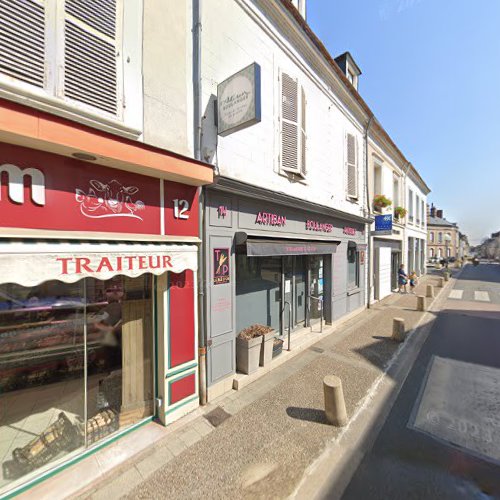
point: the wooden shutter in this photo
(22, 40)
(303, 165)
(91, 53)
(352, 166)
(289, 124)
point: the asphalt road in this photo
(442, 436)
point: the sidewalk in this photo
(258, 442)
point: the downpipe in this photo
(367, 191)
(197, 114)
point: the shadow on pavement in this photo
(307, 414)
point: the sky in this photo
(431, 74)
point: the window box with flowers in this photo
(380, 202)
(400, 213)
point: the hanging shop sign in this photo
(40, 190)
(238, 101)
(221, 266)
(383, 224)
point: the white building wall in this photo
(239, 37)
(384, 271)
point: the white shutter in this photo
(91, 53)
(352, 166)
(22, 40)
(303, 165)
(289, 124)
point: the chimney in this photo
(439, 214)
(433, 210)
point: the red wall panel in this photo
(182, 388)
(181, 331)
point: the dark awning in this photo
(257, 247)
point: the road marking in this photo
(482, 296)
(456, 294)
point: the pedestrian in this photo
(413, 281)
(402, 279)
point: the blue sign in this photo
(383, 222)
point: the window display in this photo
(61, 345)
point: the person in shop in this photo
(402, 279)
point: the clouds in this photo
(391, 8)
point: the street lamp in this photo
(447, 239)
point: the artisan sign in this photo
(238, 100)
(270, 219)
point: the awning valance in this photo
(256, 247)
(32, 263)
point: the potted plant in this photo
(380, 201)
(400, 212)
(254, 346)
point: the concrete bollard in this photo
(335, 410)
(420, 303)
(398, 329)
(440, 282)
(446, 276)
(430, 291)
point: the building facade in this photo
(288, 208)
(443, 241)
(99, 229)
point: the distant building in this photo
(443, 236)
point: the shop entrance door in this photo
(294, 292)
(395, 261)
(315, 302)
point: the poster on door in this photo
(221, 266)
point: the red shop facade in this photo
(98, 273)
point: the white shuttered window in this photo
(293, 126)
(70, 49)
(351, 155)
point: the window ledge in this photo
(53, 105)
(354, 291)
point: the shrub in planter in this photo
(380, 201)
(253, 346)
(400, 212)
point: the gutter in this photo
(367, 191)
(197, 116)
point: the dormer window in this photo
(349, 67)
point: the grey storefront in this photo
(277, 261)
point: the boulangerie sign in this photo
(40, 190)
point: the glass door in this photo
(300, 277)
(315, 288)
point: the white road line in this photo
(482, 296)
(456, 294)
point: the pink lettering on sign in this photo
(82, 265)
(323, 227)
(222, 211)
(270, 219)
(350, 231)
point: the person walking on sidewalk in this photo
(402, 279)
(413, 281)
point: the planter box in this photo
(277, 347)
(266, 351)
(248, 354)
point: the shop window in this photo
(64, 344)
(352, 266)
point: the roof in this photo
(438, 221)
(290, 7)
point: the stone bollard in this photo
(335, 410)
(440, 282)
(398, 329)
(430, 291)
(446, 276)
(420, 303)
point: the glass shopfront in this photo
(279, 291)
(76, 365)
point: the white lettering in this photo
(15, 183)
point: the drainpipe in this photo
(405, 175)
(367, 191)
(197, 115)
